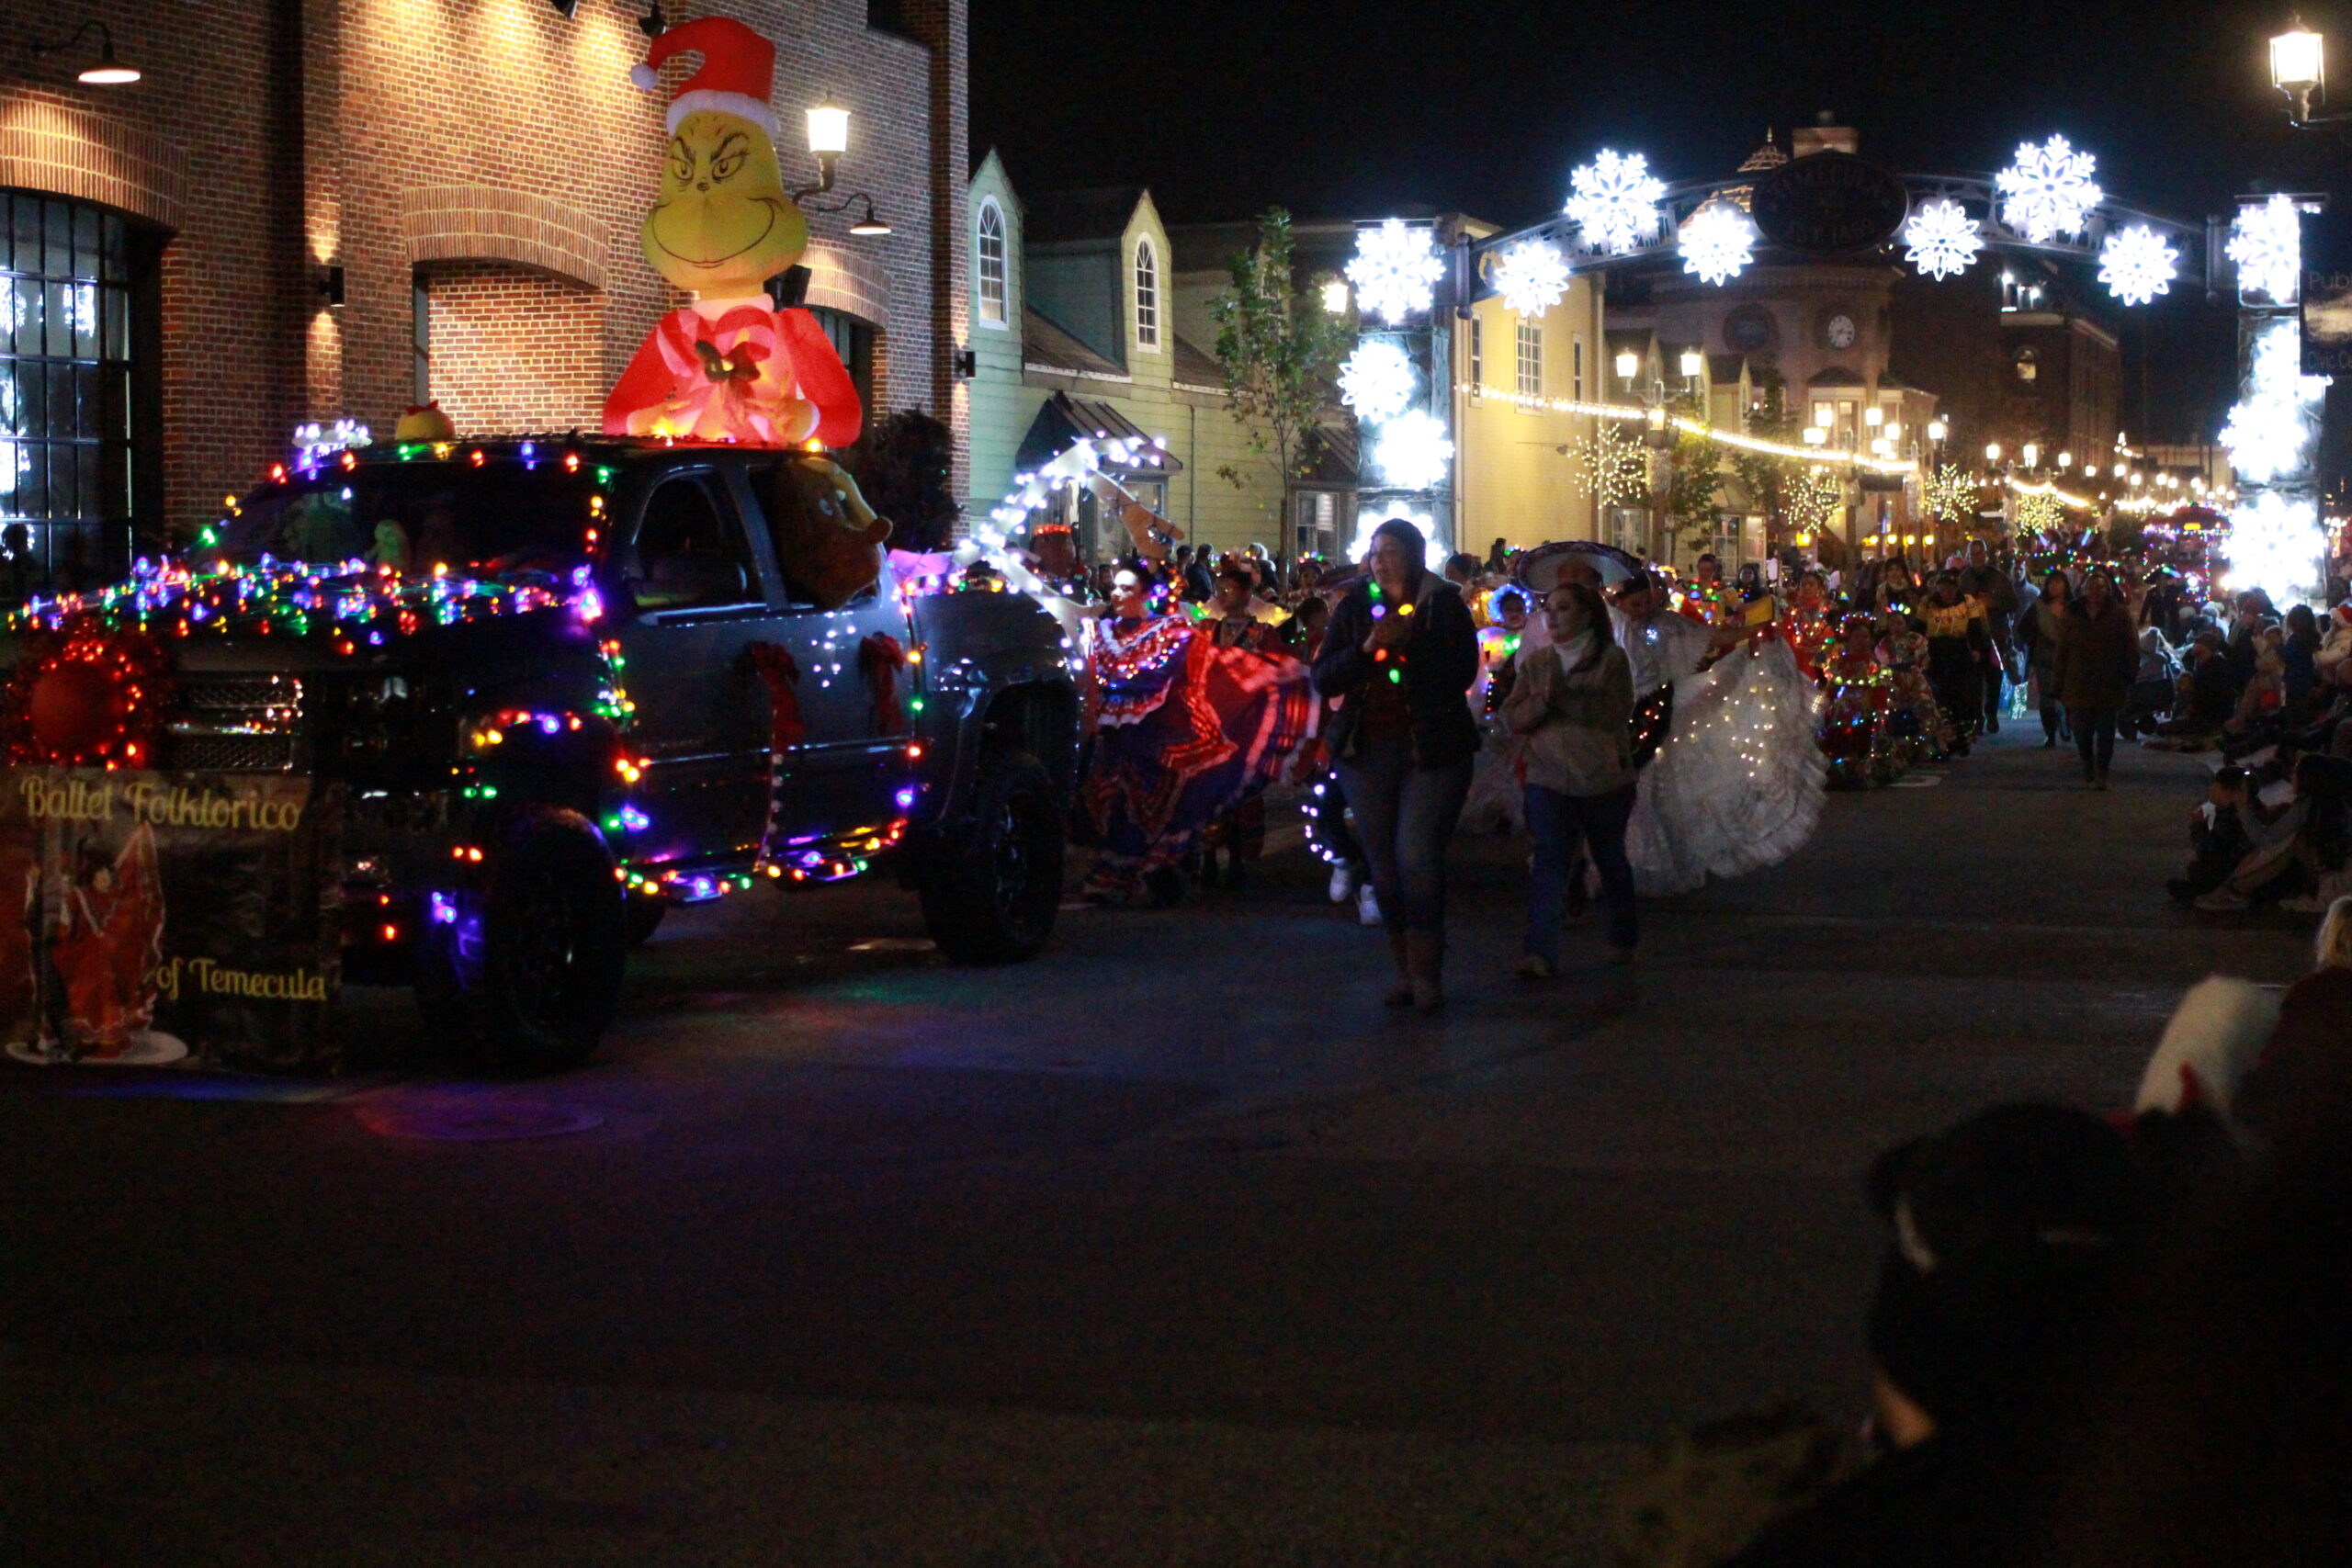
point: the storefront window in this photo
(853, 340)
(70, 425)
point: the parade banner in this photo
(164, 916)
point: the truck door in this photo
(848, 775)
(696, 602)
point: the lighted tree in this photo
(1280, 350)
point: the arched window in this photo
(1146, 296)
(989, 249)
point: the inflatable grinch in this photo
(728, 367)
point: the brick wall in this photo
(496, 141)
(505, 346)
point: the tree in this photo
(1694, 482)
(1280, 350)
(1765, 477)
(904, 466)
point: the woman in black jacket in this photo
(1399, 658)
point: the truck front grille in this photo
(241, 724)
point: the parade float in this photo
(468, 712)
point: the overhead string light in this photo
(1718, 242)
(1614, 201)
(2047, 190)
(1943, 237)
(1531, 277)
(1394, 270)
(2136, 264)
(1377, 381)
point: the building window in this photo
(1146, 296)
(853, 340)
(1531, 360)
(2028, 366)
(78, 307)
(1575, 369)
(989, 249)
(1477, 356)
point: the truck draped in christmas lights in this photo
(556, 684)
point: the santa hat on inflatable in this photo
(737, 76)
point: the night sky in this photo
(1223, 107)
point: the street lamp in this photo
(1937, 429)
(827, 138)
(2030, 453)
(2299, 69)
(2065, 459)
(1629, 364)
(1992, 451)
(1814, 435)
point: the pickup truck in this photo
(564, 682)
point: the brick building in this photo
(319, 209)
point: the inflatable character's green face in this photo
(724, 225)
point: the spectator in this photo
(2298, 652)
(2304, 849)
(1571, 704)
(2308, 1060)
(2336, 646)
(1402, 653)
(2217, 837)
(1498, 559)
(2014, 1235)
(1462, 570)
(2098, 654)
(2037, 634)
(1993, 587)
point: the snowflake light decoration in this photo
(1951, 494)
(2049, 190)
(1718, 242)
(2277, 545)
(1531, 277)
(1371, 517)
(2267, 245)
(1943, 237)
(2136, 264)
(1613, 199)
(1393, 269)
(1377, 381)
(1610, 467)
(1812, 500)
(2037, 513)
(2269, 430)
(1413, 451)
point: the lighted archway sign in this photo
(1829, 203)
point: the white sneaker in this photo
(1367, 906)
(1343, 881)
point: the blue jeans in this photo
(1558, 821)
(1405, 816)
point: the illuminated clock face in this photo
(1839, 331)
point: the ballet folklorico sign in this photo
(160, 916)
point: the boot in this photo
(1400, 995)
(1425, 953)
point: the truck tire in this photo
(645, 912)
(529, 975)
(990, 896)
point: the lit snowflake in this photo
(1943, 237)
(2267, 244)
(2136, 264)
(1614, 201)
(2270, 429)
(2277, 545)
(1531, 277)
(1718, 242)
(1377, 381)
(1413, 451)
(1371, 517)
(1393, 269)
(2049, 190)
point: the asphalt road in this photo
(1169, 1248)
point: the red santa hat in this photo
(738, 71)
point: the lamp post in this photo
(828, 140)
(2299, 69)
(106, 71)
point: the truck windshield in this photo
(495, 520)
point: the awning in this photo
(1064, 420)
